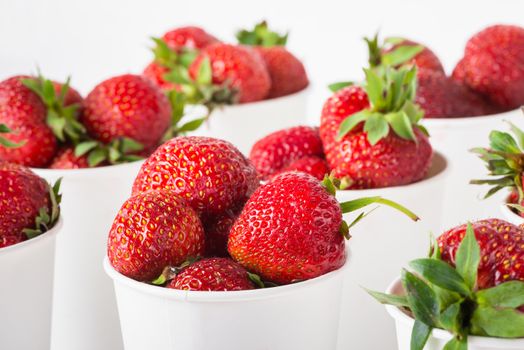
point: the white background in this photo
(93, 40)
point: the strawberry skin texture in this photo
(22, 195)
(314, 166)
(287, 73)
(212, 274)
(153, 230)
(66, 159)
(279, 149)
(190, 37)
(127, 106)
(493, 65)
(211, 174)
(240, 67)
(217, 229)
(502, 250)
(288, 230)
(24, 112)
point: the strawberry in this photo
(153, 230)
(443, 97)
(279, 149)
(315, 166)
(28, 206)
(239, 68)
(291, 229)
(217, 229)
(212, 175)
(287, 73)
(188, 37)
(66, 159)
(213, 274)
(155, 72)
(380, 144)
(493, 65)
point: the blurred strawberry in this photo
(315, 166)
(66, 159)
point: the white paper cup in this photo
(244, 124)
(381, 245)
(85, 315)
(455, 137)
(301, 316)
(26, 271)
(439, 337)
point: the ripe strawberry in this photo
(368, 145)
(213, 274)
(493, 65)
(22, 197)
(211, 174)
(153, 230)
(239, 68)
(425, 59)
(23, 111)
(279, 149)
(442, 97)
(188, 37)
(501, 250)
(314, 166)
(155, 72)
(66, 159)
(217, 229)
(127, 106)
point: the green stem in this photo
(359, 203)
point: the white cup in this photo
(386, 236)
(439, 337)
(85, 315)
(301, 316)
(26, 271)
(244, 124)
(455, 137)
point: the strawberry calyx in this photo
(46, 218)
(391, 93)
(178, 104)
(261, 35)
(118, 151)
(504, 160)
(171, 59)
(170, 272)
(439, 295)
(390, 52)
(63, 120)
(4, 129)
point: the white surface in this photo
(439, 337)
(381, 244)
(299, 316)
(26, 272)
(85, 315)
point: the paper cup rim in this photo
(442, 171)
(473, 340)
(34, 241)
(467, 121)
(87, 172)
(221, 296)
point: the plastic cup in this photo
(381, 245)
(455, 137)
(26, 271)
(244, 124)
(85, 315)
(302, 316)
(439, 337)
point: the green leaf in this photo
(376, 128)
(340, 85)
(422, 299)
(129, 145)
(389, 299)
(394, 40)
(187, 57)
(419, 335)
(374, 88)
(457, 343)
(467, 258)
(344, 227)
(451, 318)
(192, 125)
(503, 323)
(256, 279)
(351, 122)
(205, 74)
(441, 274)
(359, 203)
(328, 184)
(401, 54)
(508, 294)
(401, 124)
(96, 156)
(503, 142)
(85, 147)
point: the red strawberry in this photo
(211, 174)
(153, 230)
(22, 195)
(442, 97)
(23, 111)
(155, 72)
(66, 159)
(289, 230)
(493, 65)
(127, 106)
(315, 166)
(188, 37)
(240, 68)
(502, 253)
(71, 95)
(217, 229)
(213, 274)
(426, 59)
(279, 149)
